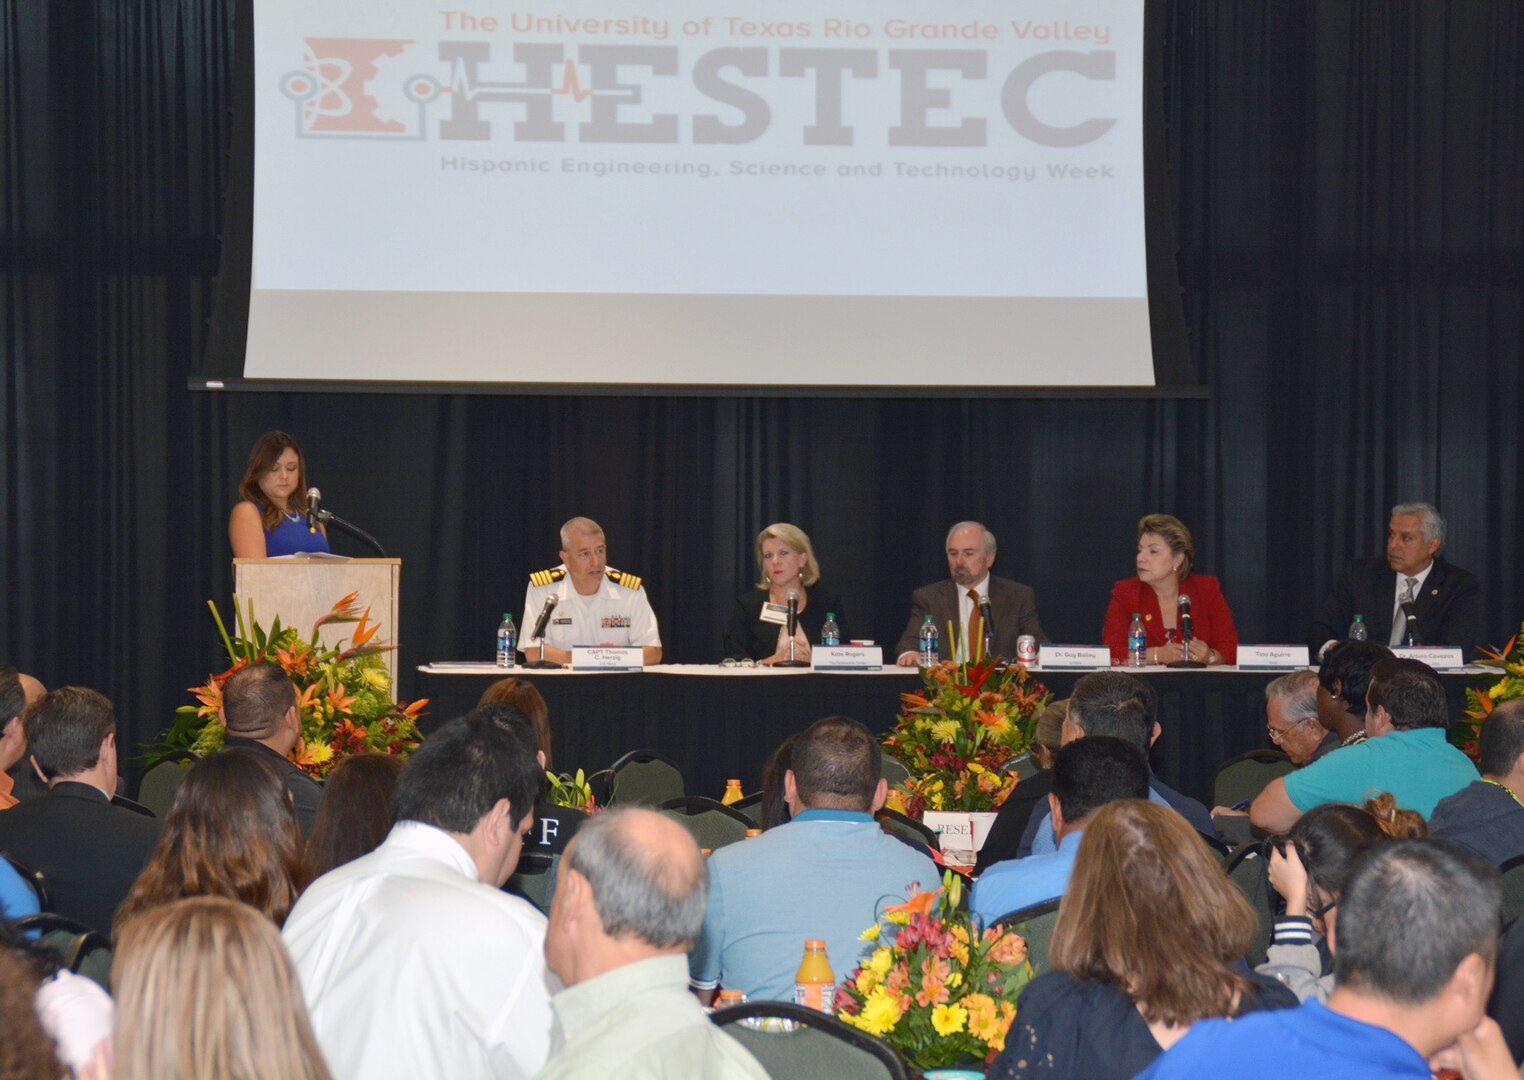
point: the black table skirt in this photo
(716, 727)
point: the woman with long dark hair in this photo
(271, 518)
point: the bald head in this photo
(646, 874)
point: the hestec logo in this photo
(335, 93)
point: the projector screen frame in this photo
(223, 361)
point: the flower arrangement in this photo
(343, 692)
(954, 734)
(942, 992)
(1506, 685)
(574, 790)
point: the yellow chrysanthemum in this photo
(881, 961)
(983, 1017)
(870, 934)
(945, 730)
(880, 1013)
(867, 980)
(949, 1019)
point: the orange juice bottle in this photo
(728, 997)
(732, 792)
(814, 983)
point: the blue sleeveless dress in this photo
(288, 537)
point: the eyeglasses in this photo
(1317, 911)
(1277, 734)
(743, 662)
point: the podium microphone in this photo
(793, 626)
(314, 509)
(539, 632)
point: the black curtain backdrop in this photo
(1348, 187)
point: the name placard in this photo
(1272, 657)
(607, 658)
(847, 658)
(960, 833)
(1051, 657)
(1434, 655)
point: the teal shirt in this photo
(1418, 767)
(640, 1022)
(826, 874)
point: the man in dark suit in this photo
(1444, 599)
(88, 850)
(260, 713)
(1013, 606)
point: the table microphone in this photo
(539, 633)
(314, 508)
(987, 616)
(793, 626)
(1184, 619)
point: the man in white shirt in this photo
(595, 604)
(413, 961)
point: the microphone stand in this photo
(987, 617)
(539, 634)
(1185, 660)
(328, 517)
(1410, 632)
(793, 628)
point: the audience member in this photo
(526, 697)
(774, 800)
(73, 1010)
(18, 780)
(1149, 940)
(425, 913)
(630, 905)
(260, 711)
(1004, 839)
(1291, 715)
(1507, 1003)
(1407, 753)
(1487, 815)
(1417, 936)
(1115, 703)
(554, 825)
(1310, 868)
(232, 832)
(355, 814)
(1344, 677)
(27, 1051)
(1089, 773)
(88, 850)
(17, 897)
(824, 874)
(204, 989)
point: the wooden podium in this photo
(301, 590)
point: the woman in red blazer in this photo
(1165, 554)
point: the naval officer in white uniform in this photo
(595, 604)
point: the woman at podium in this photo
(271, 519)
(757, 628)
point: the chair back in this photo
(895, 770)
(534, 879)
(712, 823)
(1513, 888)
(644, 778)
(821, 1047)
(77, 947)
(156, 790)
(1249, 870)
(903, 825)
(1242, 778)
(34, 880)
(1024, 765)
(1034, 923)
(751, 806)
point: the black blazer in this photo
(1012, 605)
(748, 635)
(306, 793)
(1448, 605)
(89, 851)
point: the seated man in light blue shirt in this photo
(1406, 753)
(825, 874)
(1117, 704)
(1088, 774)
(1417, 947)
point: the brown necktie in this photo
(974, 641)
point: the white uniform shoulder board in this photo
(547, 577)
(623, 577)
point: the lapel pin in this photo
(1433, 592)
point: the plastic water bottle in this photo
(814, 982)
(928, 643)
(1358, 631)
(507, 641)
(830, 633)
(1137, 642)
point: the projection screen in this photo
(888, 193)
